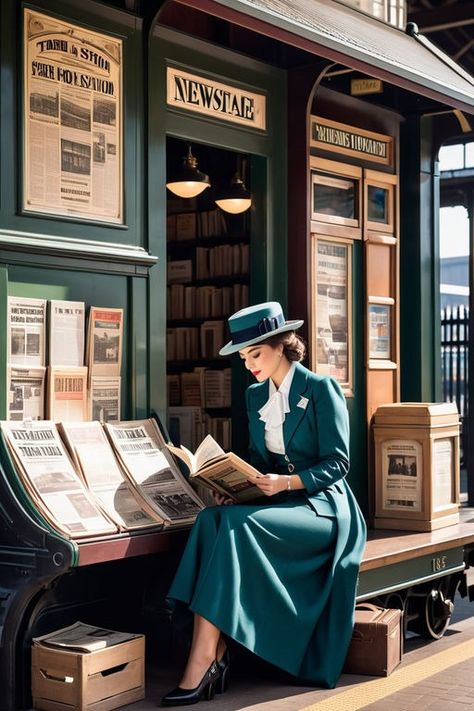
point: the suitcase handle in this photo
(368, 606)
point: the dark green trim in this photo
(71, 249)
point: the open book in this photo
(223, 472)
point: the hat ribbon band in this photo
(265, 325)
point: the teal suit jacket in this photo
(315, 433)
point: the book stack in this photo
(222, 260)
(188, 302)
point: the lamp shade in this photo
(235, 198)
(187, 181)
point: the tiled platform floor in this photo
(256, 687)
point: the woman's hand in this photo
(220, 499)
(271, 484)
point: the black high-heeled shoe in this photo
(205, 689)
(222, 684)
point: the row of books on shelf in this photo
(191, 342)
(203, 387)
(205, 301)
(88, 479)
(61, 393)
(189, 425)
(42, 332)
(224, 260)
(189, 225)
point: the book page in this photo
(66, 332)
(208, 449)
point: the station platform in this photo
(435, 675)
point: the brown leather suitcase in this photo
(376, 646)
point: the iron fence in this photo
(455, 362)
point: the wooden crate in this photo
(416, 466)
(66, 680)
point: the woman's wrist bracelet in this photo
(288, 483)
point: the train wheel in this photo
(434, 610)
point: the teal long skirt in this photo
(262, 574)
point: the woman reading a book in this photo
(278, 574)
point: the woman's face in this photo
(263, 361)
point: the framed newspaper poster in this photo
(72, 108)
(332, 309)
(379, 322)
(402, 473)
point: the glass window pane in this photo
(377, 208)
(451, 157)
(469, 155)
(335, 196)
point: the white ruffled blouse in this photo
(274, 411)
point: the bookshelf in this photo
(208, 270)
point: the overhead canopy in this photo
(333, 30)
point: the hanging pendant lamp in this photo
(187, 181)
(235, 198)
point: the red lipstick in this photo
(256, 372)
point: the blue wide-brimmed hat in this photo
(255, 324)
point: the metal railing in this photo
(455, 362)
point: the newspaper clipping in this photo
(66, 332)
(51, 480)
(104, 341)
(93, 454)
(104, 399)
(26, 327)
(149, 464)
(443, 489)
(402, 474)
(67, 394)
(25, 392)
(73, 120)
(332, 341)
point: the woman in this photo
(279, 575)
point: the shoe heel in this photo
(210, 691)
(222, 684)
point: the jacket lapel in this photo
(257, 426)
(298, 389)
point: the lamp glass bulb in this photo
(187, 188)
(234, 205)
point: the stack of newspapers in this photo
(89, 479)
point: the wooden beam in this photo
(442, 18)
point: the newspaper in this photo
(104, 398)
(49, 477)
(66, 333)
(25, 393)
(67, 394)
(73, 151)
(85, 637)
(26, 325)
(147, 461)
(104, 341)
(93, 455)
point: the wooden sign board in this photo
(416, 466)
(211, 98)
(351, 141)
